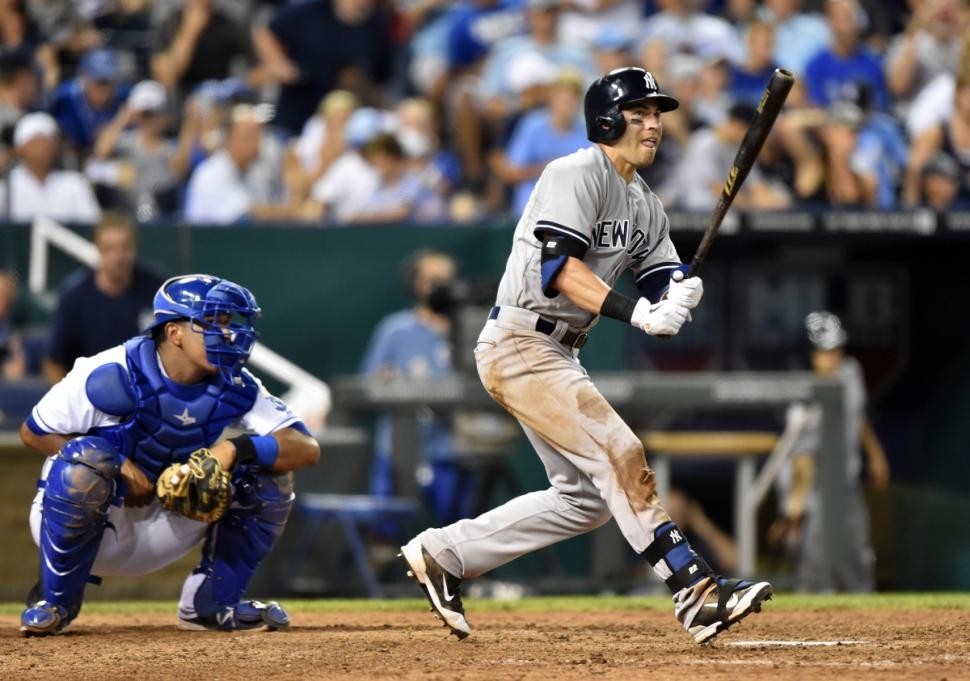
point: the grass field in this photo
(564, 604)
(884, 636)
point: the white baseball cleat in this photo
(715, 603)
(441, 587)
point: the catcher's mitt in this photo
(197, 489)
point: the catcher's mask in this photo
(223, 312)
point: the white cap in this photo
(530, 69)
(825, 330)
(33, 125)
(148, 95)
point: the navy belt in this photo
(571, 339)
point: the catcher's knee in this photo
(267, 496)
(84, 474)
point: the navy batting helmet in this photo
(620, 89)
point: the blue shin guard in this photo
(234, 548)
(673, 559)
(80, 486)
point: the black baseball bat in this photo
(764, 118)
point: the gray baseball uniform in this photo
(594, 461)
(816, 569)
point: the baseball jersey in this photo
(583, 197)
(66, 408)
(810, 440)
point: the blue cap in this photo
(612, 39)
(100, 64)
(363, 126)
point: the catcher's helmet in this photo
(617, 90)
(223, 312)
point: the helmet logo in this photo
(650, 81)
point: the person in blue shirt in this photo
(83, 105)
(847, 59)
(543, 135)
(748, 80)
(414, 343)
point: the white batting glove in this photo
(659, 319)
(687, 292)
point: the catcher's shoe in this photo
(441, 587)
(43, 619)
(715, 603)
(244, 616)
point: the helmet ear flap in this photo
(610, 126)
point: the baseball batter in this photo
(590, 218)
(114, 425)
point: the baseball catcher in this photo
(589, 218)
(135, 477)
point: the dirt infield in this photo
(883, 644)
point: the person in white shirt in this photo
(219, 193)
(35, 188)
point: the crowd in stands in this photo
(444, 111)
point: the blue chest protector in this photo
(164, 421)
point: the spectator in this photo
(320, 45)
(612, 50)
(35, 188)
(198, 43)
(799, 36)
(952, 137)
(322, 140)
(219, 192)
(542, 20)
(683, 26)
(401, 194)
(18, 94)
(17, 30)
(940, 184)
(344, 190)
(83, 105)
(699, 177)
(865, 157)
(929, 47)
(748, 80)
(414, 344)
(101, 308)
(475, 28)
(13, 364)
(150, 166)
(583, 20)
(417, 132)
(542, 135)
(799, 528)
(846, 60)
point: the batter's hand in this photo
(659, 319)
(688, 292)
(139, 489)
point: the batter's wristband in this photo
(262, 449)
(618, 306)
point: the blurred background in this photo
(360, 165)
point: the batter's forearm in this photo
(580, 284)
